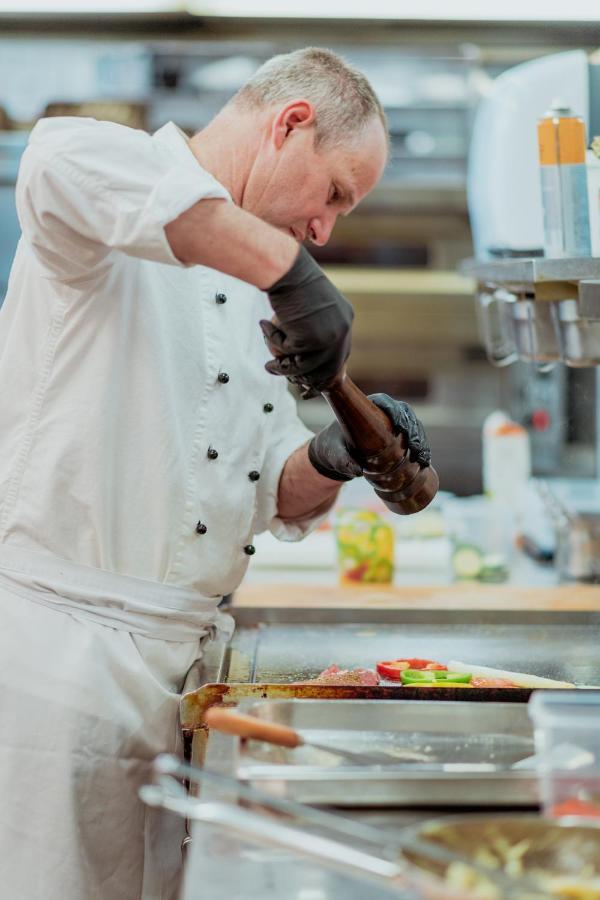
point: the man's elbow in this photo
(178, 238)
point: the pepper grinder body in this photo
(403, 485)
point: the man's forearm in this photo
(220, 235)
(303, 492)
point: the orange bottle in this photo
(562, 145)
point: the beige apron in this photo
(91, 665)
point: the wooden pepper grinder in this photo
(403, 485)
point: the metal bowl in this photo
(544, 848)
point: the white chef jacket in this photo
(120, 369)
(141, 446)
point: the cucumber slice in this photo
(467, 561)
(494, 569)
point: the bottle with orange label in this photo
(562, 146)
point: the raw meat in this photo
(334, 675)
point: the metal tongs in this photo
(229, 721)
(259, 819)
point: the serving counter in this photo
(287, 633)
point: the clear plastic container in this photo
(481, 531)
(365, 543)
(567, 742)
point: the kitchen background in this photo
(416, 333)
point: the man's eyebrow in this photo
(348, 195)
(350, 199)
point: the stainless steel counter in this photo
(282, 645)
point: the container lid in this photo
(556, 706)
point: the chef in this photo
(143, 442)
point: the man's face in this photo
(302, 190)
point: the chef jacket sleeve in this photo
(87, 189)
(287, 435)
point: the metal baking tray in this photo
(445, 754)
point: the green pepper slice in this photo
(428, 676)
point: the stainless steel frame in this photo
(448, 754)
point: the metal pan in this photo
(244, 840)
(457, 754)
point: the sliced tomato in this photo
(357, 573)
(391, 668)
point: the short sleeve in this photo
(87, 189)
(288, 434)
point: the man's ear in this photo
(294, 115)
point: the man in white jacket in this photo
(143, 443)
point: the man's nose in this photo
(320, 228)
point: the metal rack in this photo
(543, 279)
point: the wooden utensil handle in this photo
(229, 722)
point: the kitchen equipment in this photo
(264, 839)
(495, 320)
(577, 554)
(579, 336)
(504, 193)
(507, 224)
(535, 332)
(568, 721)
(436, 754)
(357, 850)
(257, 729)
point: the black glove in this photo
(314, 324)
(331, 456)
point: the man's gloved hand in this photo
(315, 320)
(331, 456)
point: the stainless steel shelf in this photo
(524, 273)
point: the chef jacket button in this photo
(201, 528)
(268, 407)
(254, 475)
(249, 549)
(223, 377)
(212, 453)
(221, 297)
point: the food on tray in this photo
(365, 544)
(478, 681)
(461, 876)
(544, 860)
(334, 675)
(434, 677)
(430, 673)
(392, 668)
(518, 679)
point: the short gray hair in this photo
(344, 100)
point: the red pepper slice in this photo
(392, 668)
(356, 574)
(575, 807)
